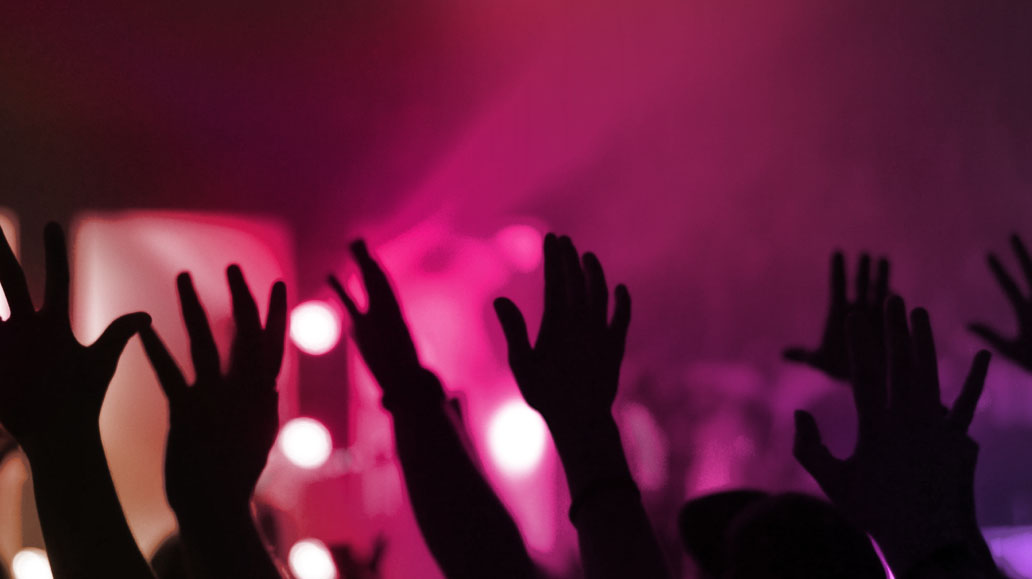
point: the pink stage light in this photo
(306, 442)
(310, 559)
(516, 438)
(31, 563)
(521, 246)
(315, 327)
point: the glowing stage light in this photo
(31, 563)
(521, 246)
(516, 438)
(310, 559)
(306, 442)
(314, 327)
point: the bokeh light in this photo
(31, 563)
(521, 246)
(306, 442)
(310, 559)
(315, 327)
(516, 438)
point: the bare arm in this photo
(51, 392)
(221, 430)
(468, 530)
(570, 375)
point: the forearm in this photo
(223, 541)
(615, 536)
(468, 530)
(85, 531)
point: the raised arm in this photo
(221, 430)
(1018, 348)
(51, 391)
(466, 527)
(909, 482)
(570, 375)
(831, 356)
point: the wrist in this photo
(413, 390)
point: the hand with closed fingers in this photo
(573, 368)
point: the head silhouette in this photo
(751, 535)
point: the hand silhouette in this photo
(51, 386)
(573, 369)
(383, 338)
(465, 526)
(831, 356)
(51, 391)
(909, 482)
(221, 428)
(1018, 349)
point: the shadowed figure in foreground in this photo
(747, 534)
(51, 391)
(221, 430)
(909, 482)
(468, 530)
(570, 375)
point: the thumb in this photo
(515, 330)
(810, 452)
(111, 343)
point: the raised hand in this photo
(221, 428)
(570, 375)
(51, 391)
(383, 337)
(51, 386)
(573, 368)
(831, 356)
(465, 526)
(1019, 348)
(909, 482)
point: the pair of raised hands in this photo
(52, 389)
(572, 368)
(910, 479)
(569, 375)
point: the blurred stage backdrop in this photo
(713, 153)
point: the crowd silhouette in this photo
(908, 484)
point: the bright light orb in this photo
(516, 438)
(314, 327)
(310, 559)
(306, 442)
(31, 563)
(521, 246)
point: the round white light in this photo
(516, 438)
(314, 327)
(310, 559)
(521, 246)
(31, 563)
(306, 442)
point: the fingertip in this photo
(359, 249)
(183, 279)
(53, 231)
